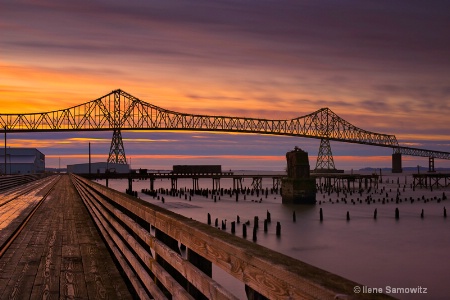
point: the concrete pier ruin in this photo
(298, 187)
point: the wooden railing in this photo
(165, 255)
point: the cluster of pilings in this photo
(131, 192)
(375, 214)
(214, 194)
(381, 195)
(267, 221)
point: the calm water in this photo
(407, 253)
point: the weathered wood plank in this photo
(47, 259)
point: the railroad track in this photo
(16, 191)
(18, 205)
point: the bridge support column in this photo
(397, 163)
(431, 164)
(298, 187)
(325, 161)
(117, 151)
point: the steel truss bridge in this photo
(119, 110)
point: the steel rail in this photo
(8, 242)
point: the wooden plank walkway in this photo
(60, 254)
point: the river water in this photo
(391, 255)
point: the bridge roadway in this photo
(59, 253)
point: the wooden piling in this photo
(278, 232)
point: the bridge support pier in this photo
(431, 165)
(298, 187)
(325, 161)
(397, 163)
(117, 151)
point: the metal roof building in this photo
(22, 161)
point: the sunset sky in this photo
(384, 66)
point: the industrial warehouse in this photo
(21, 161)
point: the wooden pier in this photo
(67, 237)
(326, 180)
(431, 180)
(59, 252)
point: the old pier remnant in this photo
(298, 187)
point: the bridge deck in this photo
(60, 254)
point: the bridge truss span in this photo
(119, 110)
(422, 152)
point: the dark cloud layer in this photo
(324, 35)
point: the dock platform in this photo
(59, 253)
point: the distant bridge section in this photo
(423, 152)
(119, 110)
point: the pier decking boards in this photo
(60, 254)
